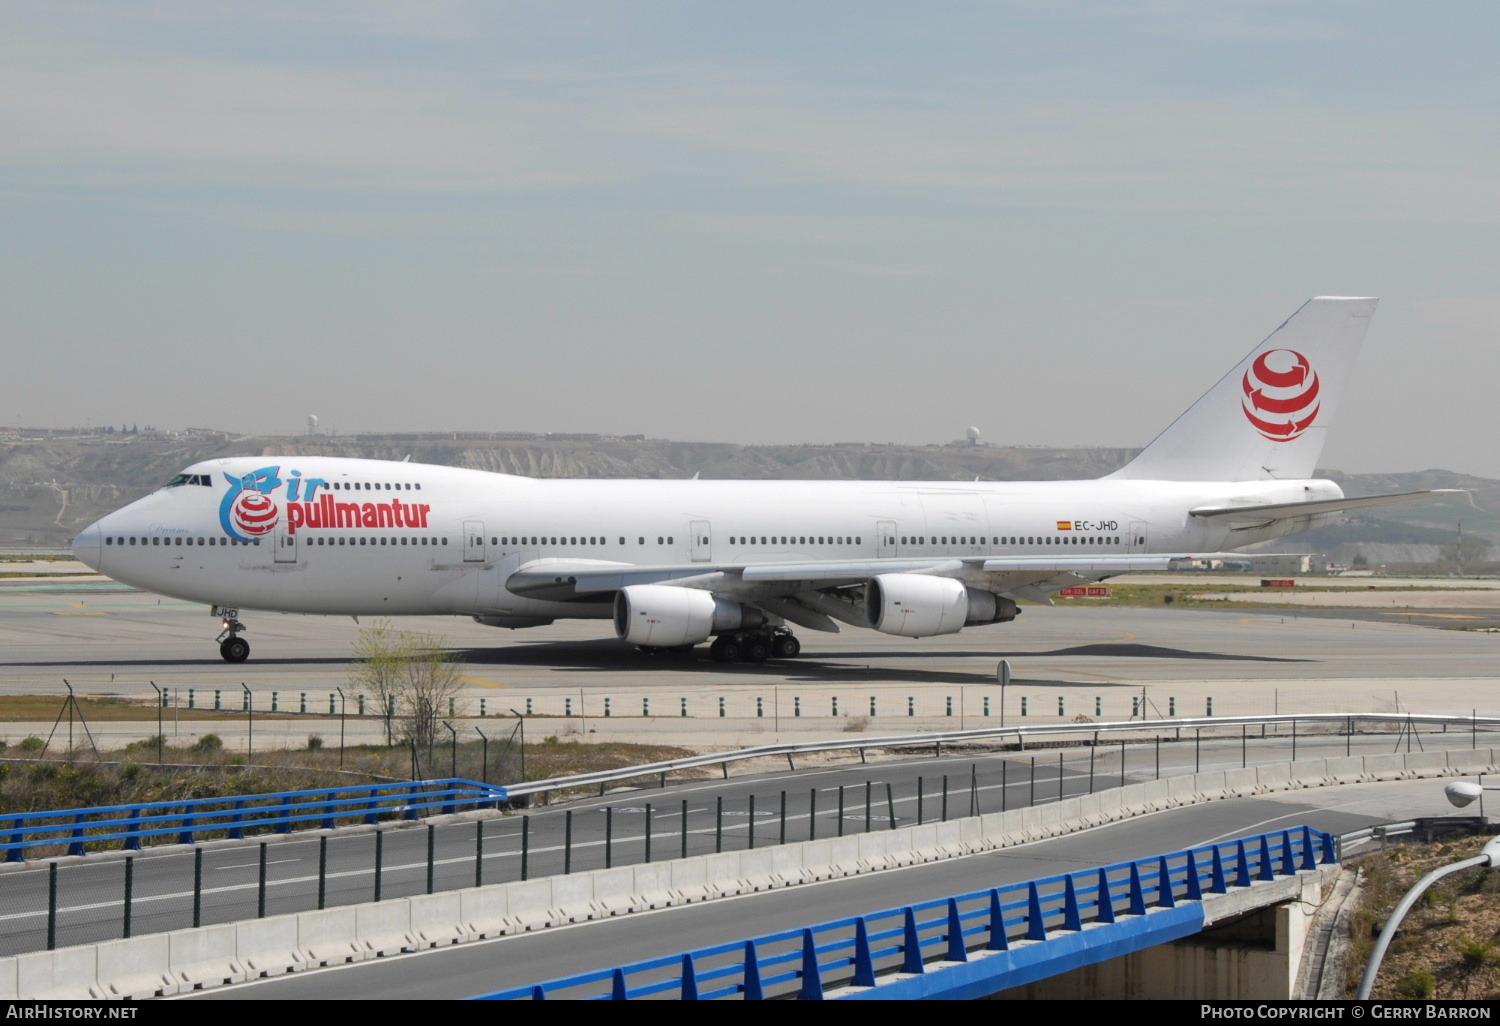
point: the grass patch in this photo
(44, 708)
(1445, 947)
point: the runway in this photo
(1098, 663)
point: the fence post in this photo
(719, 825)
(781, 837)
(525, 847)
(568, 841)
(684, 841)
(51, 906)
(609, 836)
(647, 833)
(750, 830)
(129, 892)
(379, 859)
(812, 814)
(197, 887)
(890, 805)
(75, 840)
(479, 853)
(945, 797)
(841, 811)
(260, 889)
(322, 873)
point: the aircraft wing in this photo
(1030, 577)
(1257, 516)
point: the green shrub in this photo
(209, 743)
(314, 742)
(32, 744)
(1416, 986)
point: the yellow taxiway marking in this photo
(484, 683)
(79, 612)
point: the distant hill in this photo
(51, 486)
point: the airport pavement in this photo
(1099, 663)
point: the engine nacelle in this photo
(915, 606)
(661, 616)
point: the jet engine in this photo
(660, 616)
(915, 606)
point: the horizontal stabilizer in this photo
(1265, 514)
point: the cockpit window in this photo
(189, 479)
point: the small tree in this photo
(412, 677)
(379, 654)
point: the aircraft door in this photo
(473, 541)
(284, 545)
(702, 535)
(1137, 538)
(886, 532)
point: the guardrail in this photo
(936, 740)
(1111, 902)
(282, 810)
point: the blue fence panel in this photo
(282, 811)
(1038, 927)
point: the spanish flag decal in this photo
(1065, 525)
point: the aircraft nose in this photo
(88, 547)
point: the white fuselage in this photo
(365, 537)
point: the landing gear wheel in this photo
(234, 650)
(756, 650)
(785, 646)
(730, 649)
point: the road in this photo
(686, 818)
(471, 969)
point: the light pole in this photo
(1488, 857)
(1460, 793)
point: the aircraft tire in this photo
(731, 649)
(234, 650)
(785, 646)
(755, 650)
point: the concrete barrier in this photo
(327, 937)
(382, 927)
(68, 974)
(207, 956)
(268, 947)
(436, 920)
(214, 955)
(134, 969)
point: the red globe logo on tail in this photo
(254, 514)
(1281, 394)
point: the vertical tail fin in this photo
(1267, 418)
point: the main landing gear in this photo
(232, 647)
(755, 646)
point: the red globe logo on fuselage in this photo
(1281, 394)
(254, 514)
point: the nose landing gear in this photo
(232, 647)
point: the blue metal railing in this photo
(854, 952)
(234, 815)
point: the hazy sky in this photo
(751, 222)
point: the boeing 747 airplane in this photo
(675, 563)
